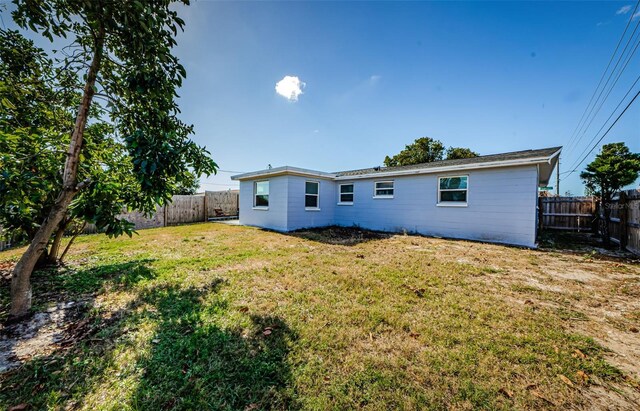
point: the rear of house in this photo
(488, 198)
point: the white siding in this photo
(298, 216)
(275, 218)
(501, 206)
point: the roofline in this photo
(303, 172)
(280, 171)
(473, 166)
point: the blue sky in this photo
(492, 76)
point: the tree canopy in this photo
(455, 153)
(612, 169)
(427, 150)
(34, 131)
(113, 136)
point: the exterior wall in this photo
(501, 207)
(298, 216)
(286, 204)
(275, 217)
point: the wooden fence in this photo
(185, 209)
(567, 213)
(586, 214)
(182, 210)
(5, 240)
(624, 225)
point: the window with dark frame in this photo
(311, 194)
(261, 194)
(452, 189)
(346, 193)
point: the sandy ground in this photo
(597, 289)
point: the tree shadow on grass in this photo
(198, 354)
(62, 296)
(59, 284)
(336, 235)
(195, 363)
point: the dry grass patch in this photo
(216, 316)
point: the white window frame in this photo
(255, 194)
(375, 189)
(317, 208)
(453, 203)
(340, 202)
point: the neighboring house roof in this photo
(546, 158)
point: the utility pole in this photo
(558, 178)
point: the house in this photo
(488, 198)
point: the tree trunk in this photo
(20, 280)
(80, 230)
(57, 239)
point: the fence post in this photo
(164, 215)
(623, 214)
(540, 215)
(205, 207)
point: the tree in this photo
(613, 168)
(119, 52)
(427, 150)
(35, 113)
(423, 150)
(455, 153)
(188, 186)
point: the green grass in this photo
(219, 317)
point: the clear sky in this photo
(491, 76)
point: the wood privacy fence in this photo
(567, 213)
(586, 214)
(185, 209)
(624, 225)
(5, 239)
(182, 210)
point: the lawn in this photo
(211, 316)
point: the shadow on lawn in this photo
(60, 284)
(336, 235)
(189, 362)
(62, 297)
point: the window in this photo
(311, 194)
(346, 194)
(452, 190)
(261, 194)
(383, 189)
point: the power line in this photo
(627, 60)
(609, 118)
(220, 184)
(573, 135)
(230, 171)
(611, 89)
(605, 134)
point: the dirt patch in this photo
(340, 235)
(41, 334)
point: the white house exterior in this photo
(489, 198)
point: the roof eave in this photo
(431, 170)
(281, 171)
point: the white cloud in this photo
(290, 87)
(635, 16)
(624, 9)
(374, 79)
